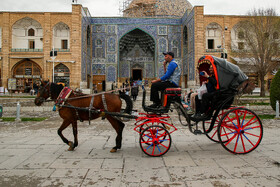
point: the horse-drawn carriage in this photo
(238, 129)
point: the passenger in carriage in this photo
(170, 79)
(203, 104)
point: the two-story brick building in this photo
(107, 49)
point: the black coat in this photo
(134, 90)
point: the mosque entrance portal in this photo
(137, 74)
(137, 56)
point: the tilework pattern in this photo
(86, 51)
(111, 73)
(98, 69)
(166, 32)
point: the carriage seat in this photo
(169, 95)
(223, 99)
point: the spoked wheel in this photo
(212, 133)
(144, 126)
(155, 141)
(240, 131)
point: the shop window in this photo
(62, 74)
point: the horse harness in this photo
(65, 93)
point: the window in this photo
(241, 35)
(31, 32)
(275, 35)
(240, 45)
(210, 44)
(31, 44)
(64, 44)
(266, 35)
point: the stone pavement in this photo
(32, 154)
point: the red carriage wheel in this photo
(212, 133)
(155, 141)
(146, 124)
(240, 131)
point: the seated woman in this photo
(203, 104)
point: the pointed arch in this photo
(61, 36)
(26, 73)
(26, 34)
(213, 36)
(136, 47)
(62, 74)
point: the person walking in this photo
(134, 91)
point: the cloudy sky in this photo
(108, 8)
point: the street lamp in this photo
(53, 55)
(223, 47)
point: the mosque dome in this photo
(157, 8)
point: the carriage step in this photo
(196, 132)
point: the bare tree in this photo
(259, 36)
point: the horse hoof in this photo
(71, 146)
(113, 150)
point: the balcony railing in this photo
(214, 50)
(36, 50)
(61, 50)
(25, 50)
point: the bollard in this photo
(277, 109)
(18, 112)
(1, 111)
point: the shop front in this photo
(62, 74)
(26, 74)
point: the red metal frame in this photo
(154, 119)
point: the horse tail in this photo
(128, 101)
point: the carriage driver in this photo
(170, 79)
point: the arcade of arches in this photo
(27, 72)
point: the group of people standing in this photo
(131, 87)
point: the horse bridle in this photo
(49, 91)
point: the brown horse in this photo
(77, 106)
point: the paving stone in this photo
(103, 177)
(77, 163)
(197, 173)
(69, 173)
(32, 154)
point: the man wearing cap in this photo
(170, 79)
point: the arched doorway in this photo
(26, 73)
(62, 74)
(137, 74)
(137, 56)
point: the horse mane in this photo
(55, 90)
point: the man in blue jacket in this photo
(170, 79)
